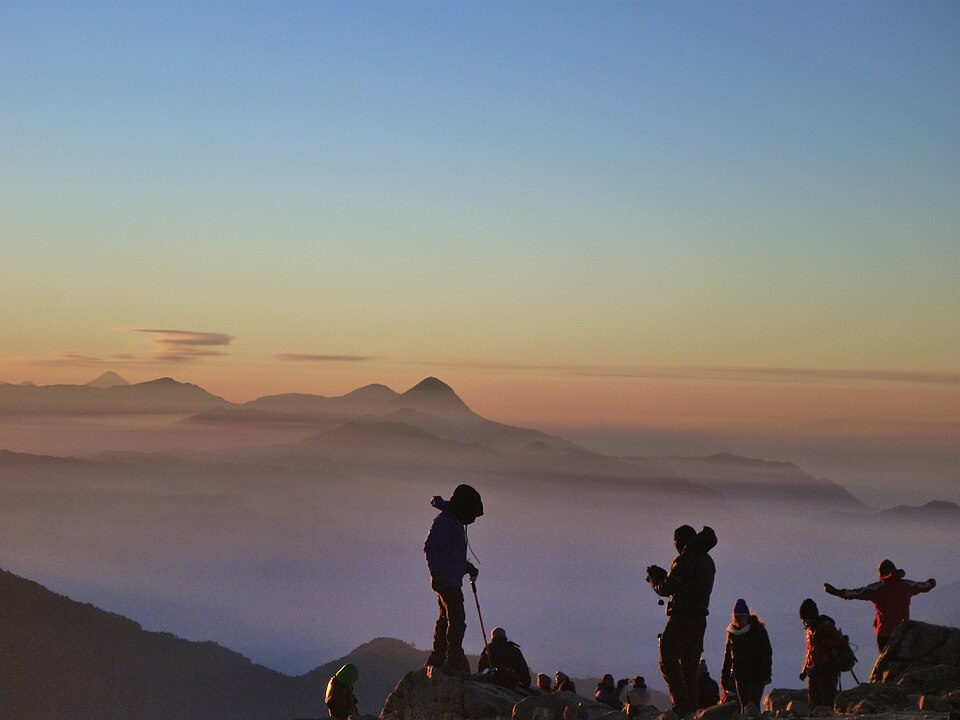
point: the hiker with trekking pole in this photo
(446, 553)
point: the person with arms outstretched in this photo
(890, 596)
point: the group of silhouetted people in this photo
(747, 657)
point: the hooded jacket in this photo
(890, 596)
(505, 656)
(747, 653)
(690, 580)
(446, 544)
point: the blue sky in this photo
(618, 185)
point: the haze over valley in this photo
(290, 528)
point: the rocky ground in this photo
(916, 676)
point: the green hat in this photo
(348, 674)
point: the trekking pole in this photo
(855, 678)
(473, 584)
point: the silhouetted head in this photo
(639, 681)
(543, 682)
(682, 535)
(809, 612)
(607, 680)
(466, 504)
(498, 633)
(348, 674)
(886, 567)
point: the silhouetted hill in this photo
(382, 662)
(938, 510)
(435, 397)
(385, 442)
(750, 478)
(154, 397)
(107, 379)
(64, 659)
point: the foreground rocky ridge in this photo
(916, 676)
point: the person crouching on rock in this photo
(446, 553)
(747, 658)
(819, 669)
(505, 661)
(341, 702)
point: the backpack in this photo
(844, 657)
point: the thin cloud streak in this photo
(307, 357)
(180, 346)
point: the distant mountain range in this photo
(108, 394)
(428, 428)
(64, 659)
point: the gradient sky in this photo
(575, 213)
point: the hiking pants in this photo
(749, 690)
(451, 625)
(822, 686)
(681, 646)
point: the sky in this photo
(730, 225)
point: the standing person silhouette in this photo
(688, 586)
(820, 668)
(446, 552)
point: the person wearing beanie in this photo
(819, 669)
(747, 658)
(504, 661)
(543, 683)
(562, 683)
(688, 586)
(446, 552)
(340, 700)
(890, 595)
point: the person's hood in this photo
(704, 541)
(466, 504)
(895, 575)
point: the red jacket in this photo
(890, 596)
(823, 640)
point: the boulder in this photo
(932, 680)
(429, 694)
(915, 646)
(778, 699)
(870, 698)
(563, 706)
(727, 711)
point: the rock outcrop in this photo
(918, 673)
(429, 694)
(916, 677)
(923, 658)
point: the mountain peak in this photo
(435, 397)
(106, 380)
(430, 385)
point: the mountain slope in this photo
(61, 658)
